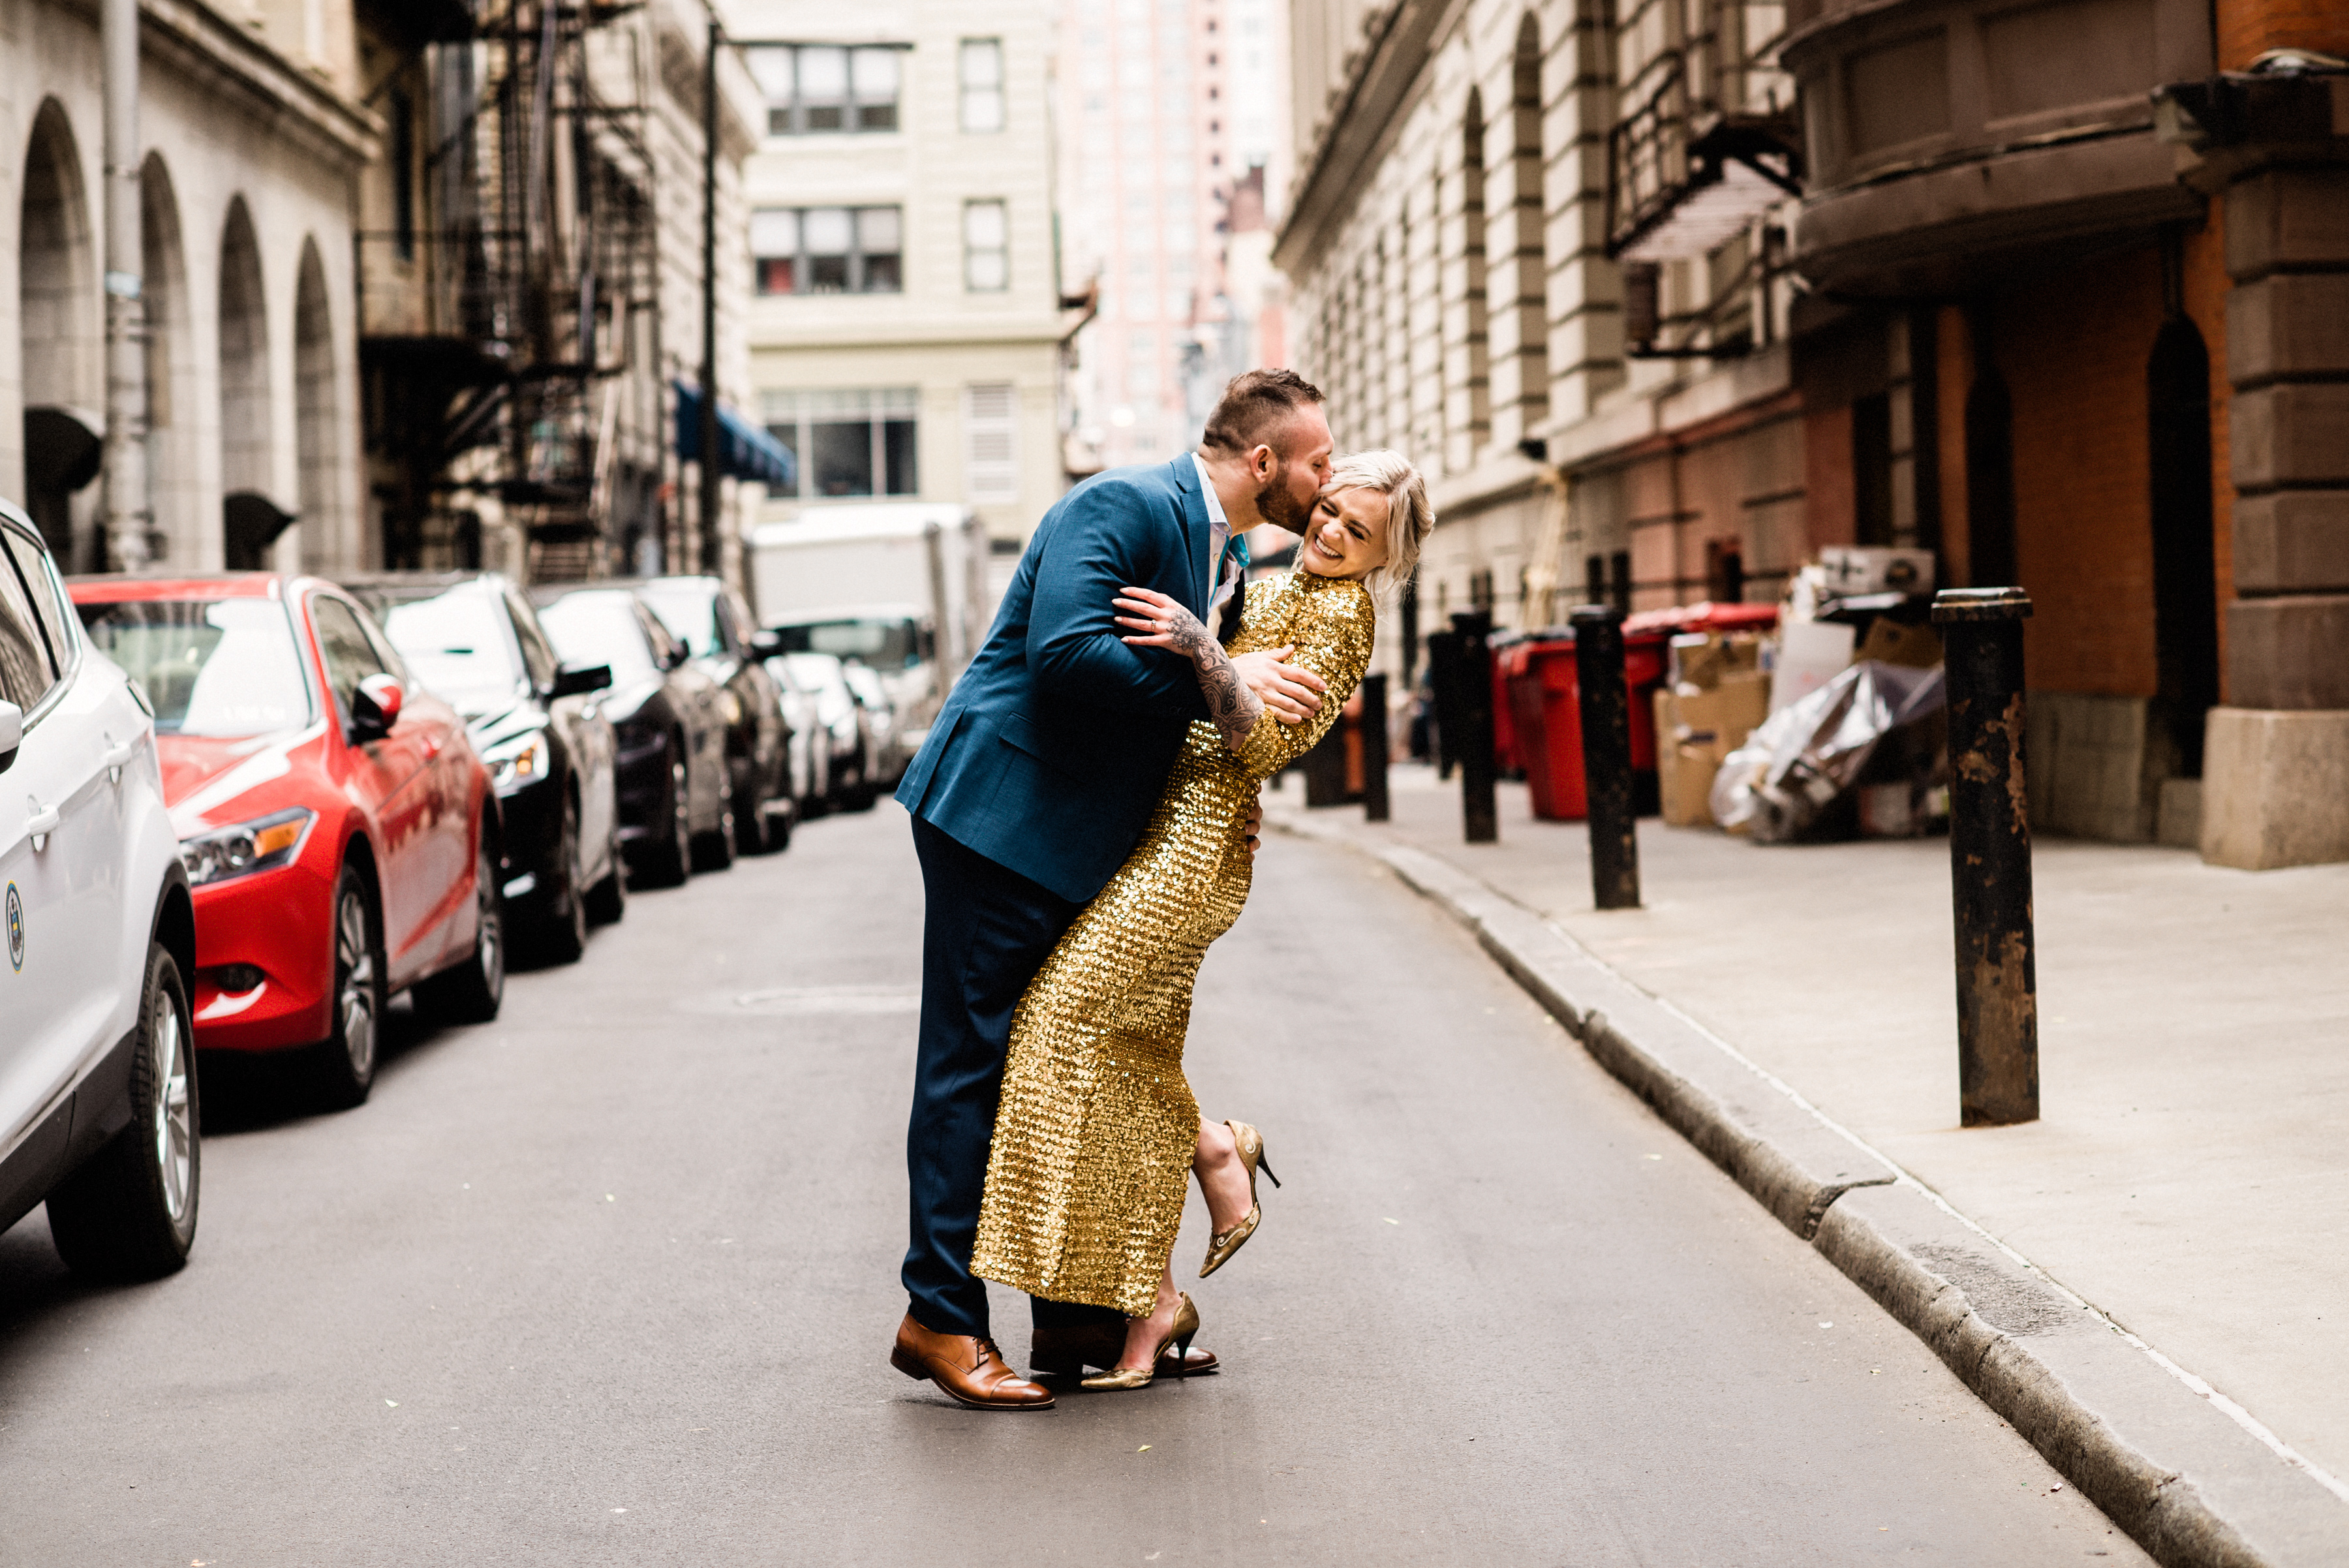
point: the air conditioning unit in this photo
(1870, 569)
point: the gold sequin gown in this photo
(1094, 1135)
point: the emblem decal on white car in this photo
(15, 929)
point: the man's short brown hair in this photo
(1255, 403)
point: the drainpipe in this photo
(123, 462)
(712, 556)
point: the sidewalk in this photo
(2189, 1178)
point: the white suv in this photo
(98, 1088)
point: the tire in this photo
(129, 1213)
(471, 993)
(562, 934)
(750, 822)
(714, 850)
(346, 1058)
(667, 861)
(607, 901)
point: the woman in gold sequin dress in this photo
(1097, 1131)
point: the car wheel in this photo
(471, 993)
(749, 823)
(129, 1213)
(668, 860)
(563, 937)
(346, 1058)
(859, 795)
(714, 850)
(607, 900)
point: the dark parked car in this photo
(475, 642)
(715, 626)
(668, 717)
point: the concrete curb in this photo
(2191, 1478)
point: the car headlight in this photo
(262, 845)
(525, 759)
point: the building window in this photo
(850, 443)
(982, 84)
(815, 89)
(990, 422)
(985, 247)
(828, 250)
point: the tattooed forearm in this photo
(1230, 703)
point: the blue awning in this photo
(744, 451)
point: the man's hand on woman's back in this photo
(1290, 691)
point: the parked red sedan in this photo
(338, 830)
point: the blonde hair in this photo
(1409, 518)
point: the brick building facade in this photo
(2054, 292)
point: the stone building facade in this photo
(1674, 293)
(906, 320)
(253, 128)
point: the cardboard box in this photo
(1696, 732)
(1919, 647)
(1810, 654)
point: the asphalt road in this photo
(613, 1280)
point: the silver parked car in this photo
(889, 754)
(849, 780)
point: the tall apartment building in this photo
(1169, 139)
(907, 318)
(1675, 293)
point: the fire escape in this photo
(500, 313)
(1709, 146)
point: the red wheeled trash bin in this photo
(1545, 708)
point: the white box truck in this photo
(899, 585)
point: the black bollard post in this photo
(1442, 669)
(1375, 748)
(1606, 705)
(1473, 678)
(1990, 856)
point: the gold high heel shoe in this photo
(1187, 1324)
(1221, 1247)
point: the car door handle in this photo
(43, 821)
(116, 758)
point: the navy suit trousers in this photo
(986, 930)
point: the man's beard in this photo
(1279, 506)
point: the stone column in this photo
(2275, 788)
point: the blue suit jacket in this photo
(1055, 744)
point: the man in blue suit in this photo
(1037, 781)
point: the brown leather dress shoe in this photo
(966, 1367)
(1067, 1352)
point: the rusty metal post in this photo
(1990, 856)
(1375, 748)
(1607, 783)
(1473, 683)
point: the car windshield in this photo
(223, 666)
(687, 611)
(884, 644)
(457, 646)
(814, 672)
(600, 627)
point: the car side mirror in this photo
(12, 733)
(766, 643)
(677, 654)
(375, 708)
(578, 680)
